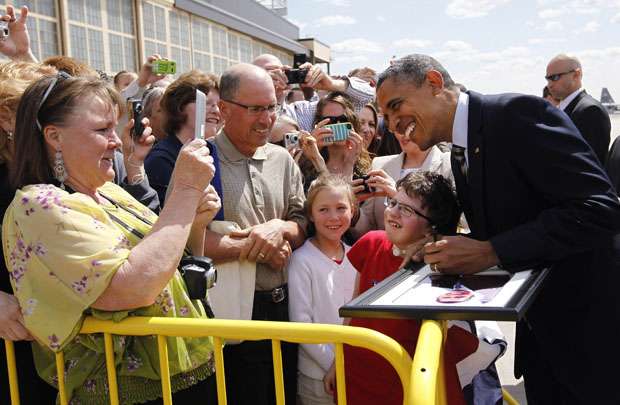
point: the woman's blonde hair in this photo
(323, 182)
(15, 77)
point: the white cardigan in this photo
(371, 211)
(317, 287)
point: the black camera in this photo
(4, 30)
(296, 76)
(134, 106)
(199, 275)
(367, 188)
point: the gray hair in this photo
(151, 96)
(229, 84)
(413, 68)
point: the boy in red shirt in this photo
(422, 201)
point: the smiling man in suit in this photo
(564, 74)
(534, 195)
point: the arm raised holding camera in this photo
(16, 45)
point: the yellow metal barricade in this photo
(422, 379)
(237, 330)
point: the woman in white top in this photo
(321, 279)
(386, 170)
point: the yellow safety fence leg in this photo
(276, 352)
(164, 370)
(111, 368)
(426, 368)
(341, 387)
(509, 399)
(12, 369)
(60, 370)
(220, 377)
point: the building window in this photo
(245, 50)
(180, 46)
(155, 30)
(101, 33)
(42, 27)
(201, 44)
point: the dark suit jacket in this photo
(540, 196)
(592, 120)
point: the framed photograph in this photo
(419, 293)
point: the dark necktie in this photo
(457, 157)
(459, 170)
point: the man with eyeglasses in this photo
(564, 74)
(262, 193)
(534, 195)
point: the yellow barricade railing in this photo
(428, 385)
(422, 380)
(236, 330)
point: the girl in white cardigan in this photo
(321, 279)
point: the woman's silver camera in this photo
(4, 30)
(291, 139)
(199, 275)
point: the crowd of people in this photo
(97, 218)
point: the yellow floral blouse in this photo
(62, 251)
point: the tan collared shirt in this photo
(258, 189)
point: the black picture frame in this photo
(510, 302)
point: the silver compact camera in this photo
(291, 139)
(4, 30)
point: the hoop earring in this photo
(60, 172)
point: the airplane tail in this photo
(606, 98)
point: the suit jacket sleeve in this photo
(595, 127)
(579, 208)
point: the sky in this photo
(490, 46)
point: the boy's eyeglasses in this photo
(255, 109)
(405, 210)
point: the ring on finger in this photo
(434, 267)
(261, 255)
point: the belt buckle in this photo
(278, 294)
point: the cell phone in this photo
(134, 106)
(291, 139)
(164, 67)
(200, 115)
(299, 59)
(367, 188)
(4, 30)
(296, 76)
(340, 132)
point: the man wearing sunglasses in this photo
(564, 74)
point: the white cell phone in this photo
(201, 115)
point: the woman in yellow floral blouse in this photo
(73, 246)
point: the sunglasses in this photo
(556, 76)
(335, 119)
(62, 75)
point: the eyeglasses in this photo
(335, 119)
(255, 109)
(556, 76)
(405, 210)
(61, 75)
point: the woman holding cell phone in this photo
(336, 132)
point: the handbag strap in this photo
(128, 227)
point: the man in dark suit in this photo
(534, 195)
(563, 76)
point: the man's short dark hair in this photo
(437, 196)
(413, 69)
